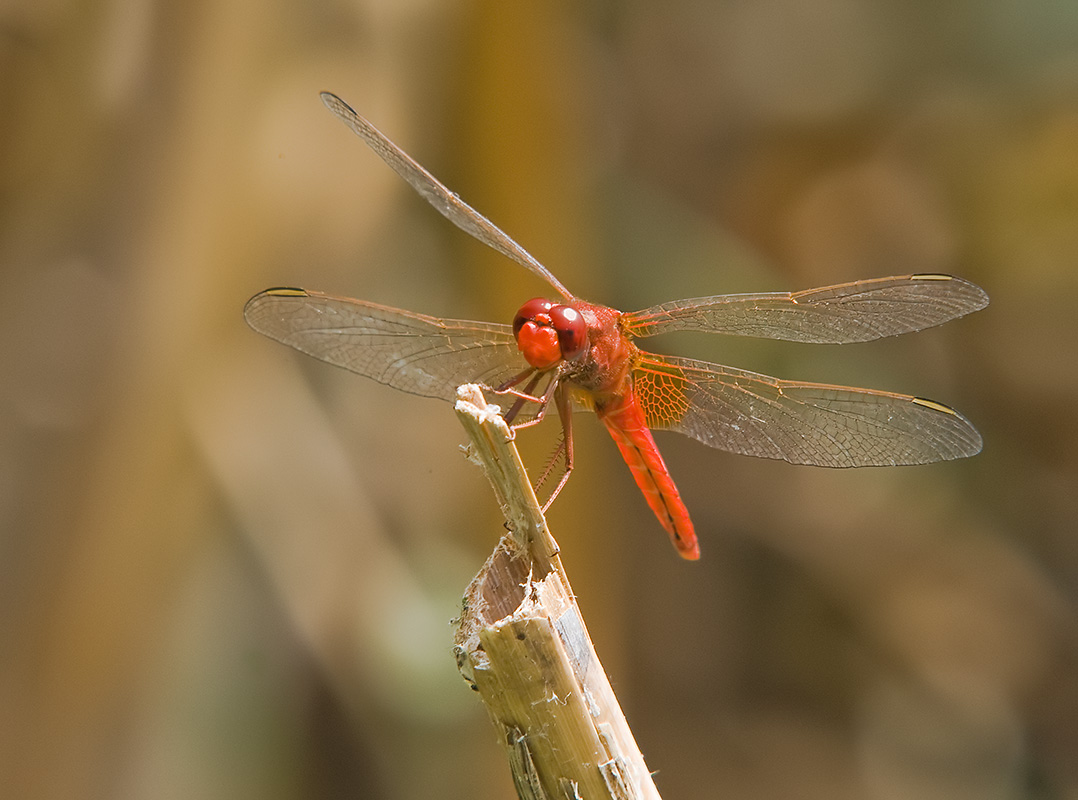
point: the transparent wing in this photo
(849, 312)
(434, 192)
(411, 352)
(803, 423)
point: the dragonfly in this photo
(575, 354)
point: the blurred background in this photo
(228, 571)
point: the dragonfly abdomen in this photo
(625, 421)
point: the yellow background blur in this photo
(227, 571)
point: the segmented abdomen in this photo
(625, 421)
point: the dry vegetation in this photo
(208, 548)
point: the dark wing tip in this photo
(277, 291)
(285, 291)
(330, 100)
(976, 298)
(967, 439)
(251, 306)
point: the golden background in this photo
(227, 571)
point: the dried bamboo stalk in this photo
(522, 645)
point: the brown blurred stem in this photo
(523, 647)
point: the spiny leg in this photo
(551, 461)
(562, 401)
(527, 396)
(565, 412)
(521, 397)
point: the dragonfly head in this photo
(547, 333)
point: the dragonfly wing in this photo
(849, 312)
(803, 423)
(412, 352)
(434, 192)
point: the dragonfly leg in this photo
(526, 396)
(562, 401)
(565, 413)
(550, 462)
(521, 399)
(515, 380)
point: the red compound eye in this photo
(535, 310)
(536, 337)
(547, 334)
(572, 331)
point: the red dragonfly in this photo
(581, 354)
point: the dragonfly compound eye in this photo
(572, 331)
(535, 310)
(536, 336)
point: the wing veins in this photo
(448, 203)
(828, 425)
(411, 352)
(850, 312)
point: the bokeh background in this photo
(227, 571)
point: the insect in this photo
(579, 354)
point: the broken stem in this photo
(522, 645)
